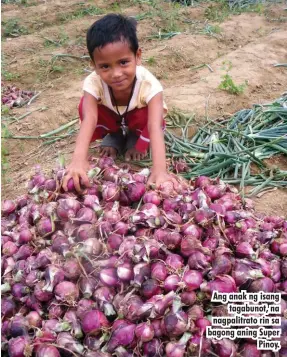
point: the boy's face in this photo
(116, 64)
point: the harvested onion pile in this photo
(128, 272)
(15, 97)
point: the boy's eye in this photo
(104, 66)
(123, 62)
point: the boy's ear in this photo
(139, 57)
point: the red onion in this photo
(250, 350)
(198, 261)
(109, 277)
(144, 332)
(264, 284)
(150, 288)
(113, 216)
(202, 323)
(93, 322)
(72, 269)
(45, 227)
(87, 286)
(84, 215)
(66, 292)
(188, 297)
(90, 246)
(23, 252)
(192, 279)
(171, 283)
(19, 346)
(71, 317)
(159, 271)
(66, 340)
(121, 228)
(177, 349)
(161, 303)
(221, 265)
(85, 231)
(202, 181)
(222, 283)
(67, 208)
(141, 272)
(224, 347)
(192, 230)
(56, 311)
(8, 207)
(104, 162)
(152, 197)
(110, 192)
(18, 326)
(83, 306)
(19, 290)
(104, 297)
(9, 248)
(153, 348)
(47, 351)
(53, 275)
(25, 236)
(173, 218)
(40, 294)
(33, 319)
(174, 261)
(113, 242)
(135, 191)
(122, 336)
(125, 271)
(8, 307)
(175, 324)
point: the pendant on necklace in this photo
(124, 127)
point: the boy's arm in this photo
(79, 164)
(155, 122)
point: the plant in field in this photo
(227, 82)
(11, 28)
(82, 11)
(151, 61)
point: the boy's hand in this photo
(77, 170)
(160, 177)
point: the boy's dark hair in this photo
(112, 28)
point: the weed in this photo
(151, 61)
(49, 67)
(13, 29)
(211, 30)
(81, 12)
(62, 39)
(217, 11)
(8, 76)
(227, 82)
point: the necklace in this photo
(122, 116)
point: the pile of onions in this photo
(15, 97)
(123, 270)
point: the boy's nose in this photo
(117, 73)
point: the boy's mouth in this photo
(117, 83)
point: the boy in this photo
(122, 102)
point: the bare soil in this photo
(252, 41)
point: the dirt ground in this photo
(253, 41)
